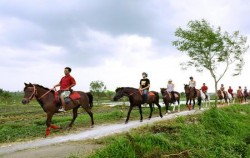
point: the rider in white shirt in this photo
(192, 84)
(170, 89)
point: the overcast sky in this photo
(109, 40)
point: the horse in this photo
(240, 96)
(230, 97)
(190, 96)
(246, 95)
(204, 98)
(167, 99)
(135, 99)
(48, 100)
(224, 98)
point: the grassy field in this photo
(25, 122)
(221, 132)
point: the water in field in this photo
(127, 103)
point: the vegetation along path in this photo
(93, 133)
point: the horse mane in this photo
(31, 85)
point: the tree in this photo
(211, 49)
(97, 87)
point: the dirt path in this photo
(63, 146)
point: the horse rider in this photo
(192, 84)
(170, 89)
(222, 89)
(66, 83)
(204, 89)
(230, 91)
(245, 91)
(239, 91)
(144, 86)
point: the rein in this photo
(46, 93)
(34, 93)
(134, 93)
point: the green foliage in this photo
(216, 133)
(211, 49)
(97, 87)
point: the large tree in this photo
(97, 87)
(211, 49)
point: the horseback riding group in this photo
(53, 101)
(229, 96)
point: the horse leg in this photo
(140, 110)
(74, 116)
(167, 104)
(87, 109)
(151, 110)
(129, 111)
(173, 108)
(193, 103)
(159, 107)
(48, 123)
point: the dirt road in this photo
(64, 146)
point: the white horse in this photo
(204, 99)
(231, 98)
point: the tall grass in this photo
(216, 133)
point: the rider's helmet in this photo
(191, 78)
(169, 80)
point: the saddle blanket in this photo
(74, 96)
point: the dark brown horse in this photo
(135, 99)
(167, 99)
(46, 98)
(223, 96)
(191, 96)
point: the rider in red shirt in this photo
(66, 83)
(204, 89)
(230, 91)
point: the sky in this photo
(112, 41)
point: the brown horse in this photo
(240, 96)
(46, 98)
(135, 99)
(191, 96)
(223, 97)
(167, 99)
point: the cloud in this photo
(110, 40)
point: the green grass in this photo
(26, 122)
(221, 132)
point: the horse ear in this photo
(25, 84)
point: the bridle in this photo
(34, 93)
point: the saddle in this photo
(171, 95)
(73, 96)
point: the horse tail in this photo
(90, 96)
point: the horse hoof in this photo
(126, 122)
(148, 118)
(140, 120)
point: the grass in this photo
(221, 132)
(26, 122)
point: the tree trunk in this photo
(216, 97)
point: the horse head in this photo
(163, 90)
(186, 88)
(119, 93)
(29, 92)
